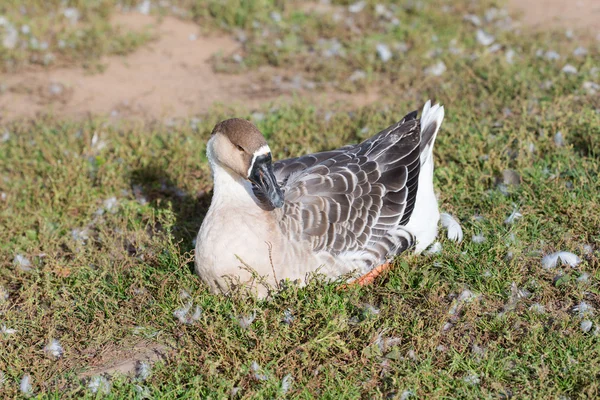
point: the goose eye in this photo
(240, 148)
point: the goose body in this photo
(335, 212)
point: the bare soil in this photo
(567, 14)
(124, 360)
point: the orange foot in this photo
(370, 276)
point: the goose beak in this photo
(262, 176)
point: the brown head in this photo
(238, 145)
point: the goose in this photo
(338, 213)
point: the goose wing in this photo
(349, 199)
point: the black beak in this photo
(263, 178)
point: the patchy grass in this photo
(103, 217)
(57, 33)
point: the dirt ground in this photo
(569, 14)
(172, 77)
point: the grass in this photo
(107, 275)
(57, 33)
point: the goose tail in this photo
(431, 120)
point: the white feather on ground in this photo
(565, 257)
(257, 372)
(434, 248)
(455, 232)
(26, 386)
(246, 320)
(286, 383)
(586, 325)
(7, 331)
(583, 309)
(515, 215)
(479, 238)
(183, 315)
(53, 349)
(4, 294)
(143, 369)
(99, 384)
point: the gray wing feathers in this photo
(350, 199)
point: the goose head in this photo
(238, 147)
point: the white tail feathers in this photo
(431, 120)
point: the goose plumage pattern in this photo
(337, 212)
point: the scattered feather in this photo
(580, 51)
(515, 215)
(407, 394)
(22, 262)
(455, 232)
(479, 238)
(26, 386)
(551, 55)
(258, 375)
(583, 309)
(110, 204)
(357, 7)
(286, 383)
(478, 350)
(370, 309)
(385, 343)
(2, 378)
(436, 69)
(569, 69)
(142, 392)
(538, 308)
(246, 320)
(558, 139)
(288, 317)
(586, 325)
(53, 349)
(466, 296)
(591, 87)
(510, 56)
(583, 277)
(4, 294)
(144, 7)
(99, 384)
(565, 257)
(434, 248)
(184, 316)
(80, 234)
(143, 369)
(472, 379)
(472, 18)
(509, 255)
(7, 331)
(275, 16)
(357, 75)
(383, 51)
(515, 296)
(484, 38)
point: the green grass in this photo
(121, 285)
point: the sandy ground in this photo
(569, 14)
(172, 77)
